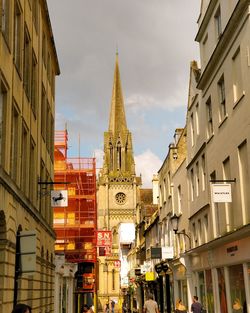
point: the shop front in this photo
(221, 276)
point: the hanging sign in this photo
(167, 252)
(221, 193)
(59, 198)
(104, 238)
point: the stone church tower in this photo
(117, 191)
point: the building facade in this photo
(117, 193)
(28, 65)
(218, 153)
(210, 240)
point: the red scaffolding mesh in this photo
(75, 225)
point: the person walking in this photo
(196, 306)
(150, 305)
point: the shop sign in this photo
(59, 198)
(117, 263)
(167, 252)
(156, 253)
(104, 238)
(150, 276)
(221, 193)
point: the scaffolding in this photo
(75, 225)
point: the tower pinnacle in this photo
(117, 120)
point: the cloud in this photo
(146, 165)
(155, 39)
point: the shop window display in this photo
(237, 288)
(222, 290)
(202, 294)
(209, 290)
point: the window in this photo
(210, 128)
(199, 232)
(14, 144)
(192, 184)
(194, 235)
(237, 76)
(209, 289)
(222, 98)
(48, 125)
(35, 13)
(244, 181)
(202, 294)
(197, 179)
(222, 290)
(42, 178)
(44, 50)
(237, 286)
(217, 19)
(43, 114)
(32, 174)
(197, 118)
(49, 67)
(3, 106)
(179, 198)
(204, 50)
(169, 184)
(205, 227)
(164, 190)
(24, 160)
(27, 63)
(6, 19)
(34, 85)
(113, 279)
(203, 172)
(17, 36)
(192, 128)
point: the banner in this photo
(104, 238)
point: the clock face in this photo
(120, 198)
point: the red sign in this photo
(105, 251)
(117, 263)
(104, 238)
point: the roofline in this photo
(51, 36)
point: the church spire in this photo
(117, 120)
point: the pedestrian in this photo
(21, 308)
(106, 309)
(86, 309)
(180, 307)
(196, 306)
(112, 306)
(150, 305)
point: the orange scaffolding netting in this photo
(75, 225)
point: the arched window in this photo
(113, 279)
(119, 155)
(111, 160)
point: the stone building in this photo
(218, 157)
(28, 65)
(117, 193)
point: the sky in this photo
(155, 42)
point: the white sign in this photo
(59, 198)
(28, 252)
(167, 252)
(221, 193)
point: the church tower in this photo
(117, 191)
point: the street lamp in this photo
(175, 225)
